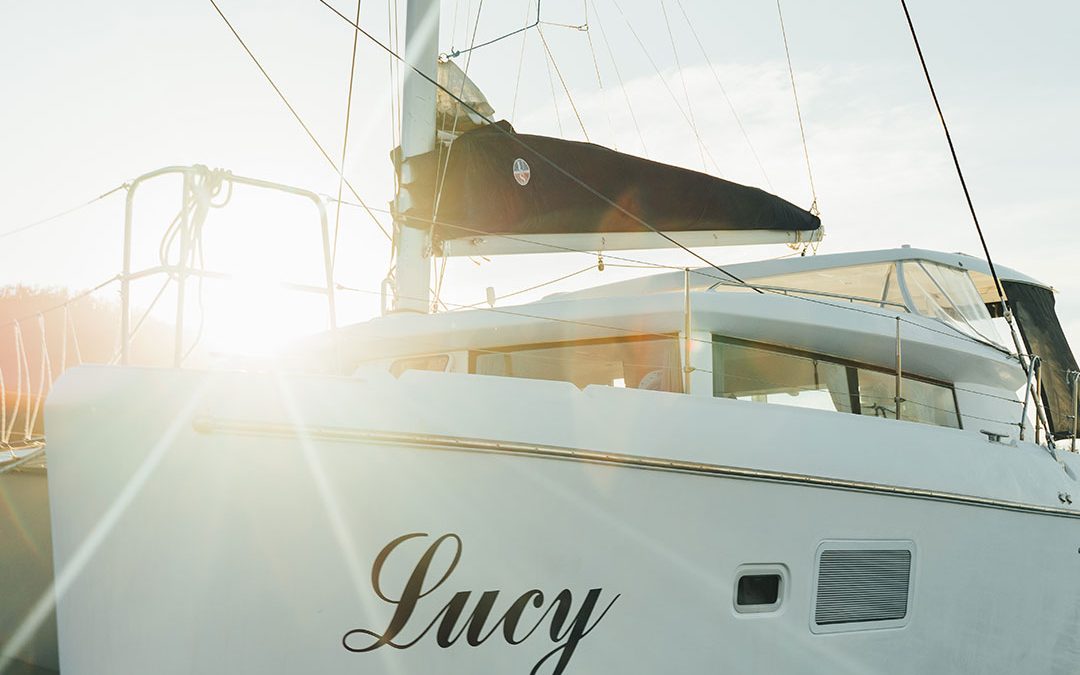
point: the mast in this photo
(413, 274)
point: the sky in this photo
(96, 94)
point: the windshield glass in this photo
(872, 284)
(948, 294)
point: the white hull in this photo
(238, 542)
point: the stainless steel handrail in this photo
(1033, 370)
(1074, 380)
(182, 270)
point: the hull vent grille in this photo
(856, 586)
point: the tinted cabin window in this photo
(757, 589)
(651, 363)
(753, 372)
(437, 362)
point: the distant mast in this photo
(413, 273)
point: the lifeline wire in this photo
(541, 156)
(23, 228)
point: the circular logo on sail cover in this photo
(522, 173)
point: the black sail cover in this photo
(1043, 336)
(500, 182)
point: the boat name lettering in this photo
(565, 629)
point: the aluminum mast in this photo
(413, 274)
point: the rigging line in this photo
(449, 148)
(391, 10)
(521, 60)
(580, 26)
(138, 324)
(663, 80)
(453, 22)
(75, 339)
(622, 85)
(441, 174)
(798, 113)
(682, 77)
(5, 433)
(530, 288)
(103, 195)
(345, 142)
(955, 158)
(562, 81)
(544, 158)
(456, 53)
(393, 32)
(554, 97)
(723, 91)
(45, 380)
(599, 80)
(3, 414)
(296, 115)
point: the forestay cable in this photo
(955, 158)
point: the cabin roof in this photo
(705, 277)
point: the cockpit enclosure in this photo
(923, 287)
(1033, 307)
(955, 289)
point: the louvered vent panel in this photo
(862, 585)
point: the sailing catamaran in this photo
(837, 463)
